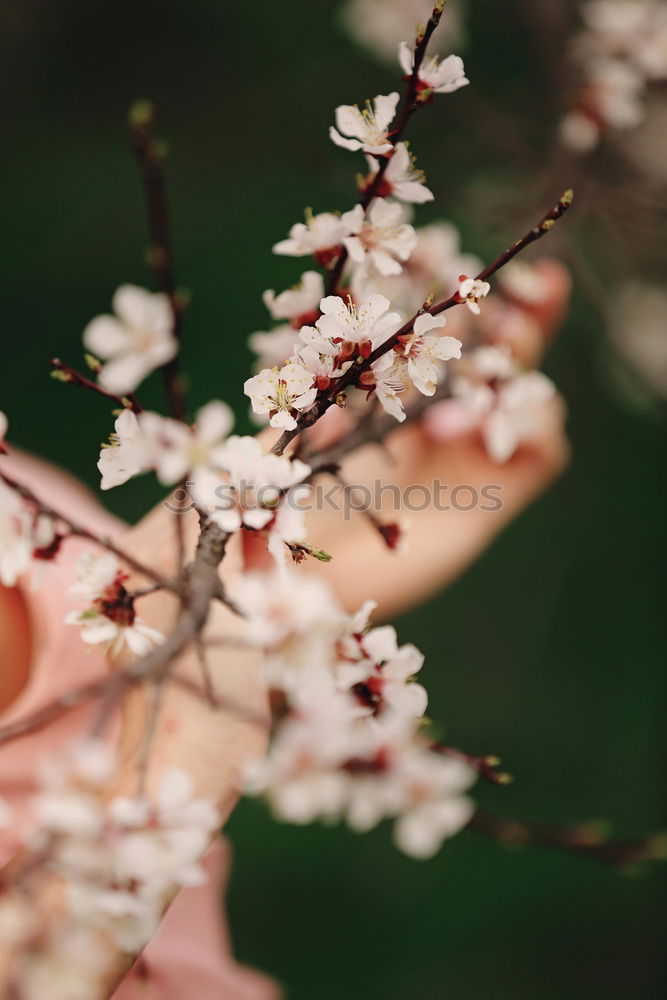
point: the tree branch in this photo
(588, 840)
(410, 105)
(80, 532)
(150, 154)
(360, 365)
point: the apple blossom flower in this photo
(323, 366)
(435, 76)
(379, 677)
(435, 806)
(250, 487)
(401, 178)
(471, 290)
(424, 349)
(368, 127)
(4, 424)
(321, 235)
(300, 304)
(382, 239)
(295, 618)
(110, 619)
(179, 450)
(346, 329)
(275, 348)
(282, 393)
(135, 341)
(491, 393)
(127, 454)
(388, 378)
(432, 269)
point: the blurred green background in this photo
(548, 652)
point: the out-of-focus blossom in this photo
(110, 619)
(299, 304)
(135, 341)
(127, 454)
(274, 348)
(491, 393)
(379, 25)
(638, 329)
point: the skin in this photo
(213, 744)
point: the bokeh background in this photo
(550, 651)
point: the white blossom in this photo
(379, 25)
(438, 76)
(321, 235)
(273, 348)
(252, 488)
(424, 349)
(110, 619)
(135, 341)
(127, 454)
(345, 328)
(401, 178)
(388, 377)
(295, 303)
(179, 450)
(471, 290)
(382, 239)
(282, 393)
(366, 128)
(492, 393)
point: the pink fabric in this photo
(191, 952)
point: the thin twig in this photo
(68, 375)
(80, 532)
(410, 105)
(150, 154)
(361, 365)
(588, 840)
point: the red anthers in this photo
(116, 603)
(49, 552)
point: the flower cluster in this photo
(120, 859)
(621, 48)
(349, 742)
(361, 249)
(233, 479)
(491, 393)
